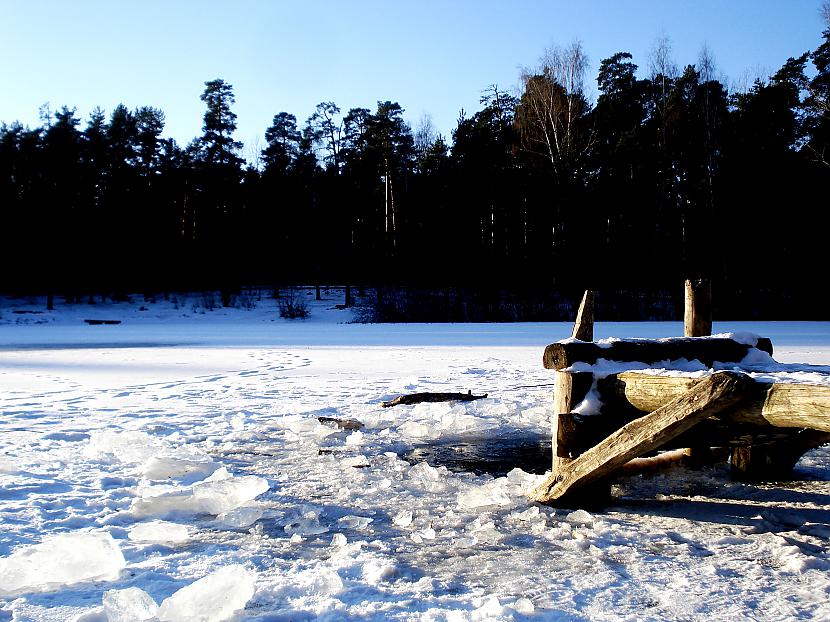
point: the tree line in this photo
(662, 177)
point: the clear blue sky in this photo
(432, 56)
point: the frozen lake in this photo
(191, 445)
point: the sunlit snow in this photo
(173, 467)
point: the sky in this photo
(433, 57)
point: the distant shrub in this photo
(293, 306)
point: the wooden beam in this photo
(697, 318)
(709, 397)
(584, 324)
(782, 405)
(562, 355)
(569, 389)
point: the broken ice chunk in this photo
(355, 522)
(159, 532)
(207, 497)
(191, 468)
(114, 446)
(243, 516)
(214, 598)
(580, 517)
(61, 560)
(403, 518)
(491, 494)
(129, 605)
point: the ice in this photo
(214, 598)
(428, 478)
(417, 430)
(207, 497)
(354, 522)
(120, 446)
(308, 524)
(324, 581)
(182, 466)
(240, 517)
(338, 540)
(64, 559)
(159, 532)
(355, 462)
(580, 517)
(491, 494)
(403, 518)
(130, 605)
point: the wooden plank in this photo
(709, 397)
(697, 318)
(584, 324)
(562, 355)
(782, 405)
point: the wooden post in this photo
(697, 318)
(569, 389)
(584, 324)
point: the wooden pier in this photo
(764, 428)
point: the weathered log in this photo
(783, 405)
(417, 398)
(709, 397)
(697, 322)
(775, 461)
(707, 350)
(569, 389)
(697, 317)
(584, 324)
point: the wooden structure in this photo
(764, 428)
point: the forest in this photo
(665, 174)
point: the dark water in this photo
(493, 456)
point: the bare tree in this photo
(824, 11)
(748, 78)
(253, 152)
(425, 134)
(661, 59)
(553, 104)
(706, 66)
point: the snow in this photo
(187, 442)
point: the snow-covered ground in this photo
(174, 466)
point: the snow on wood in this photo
(708, 350)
